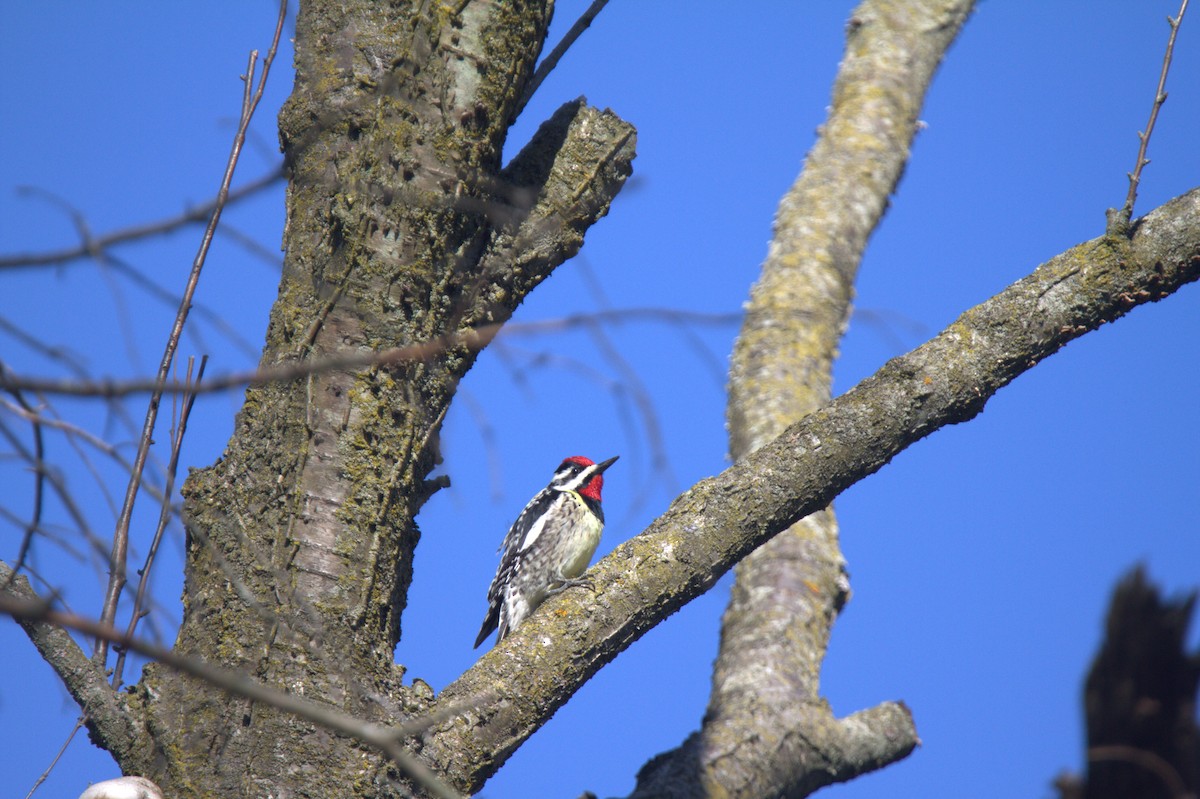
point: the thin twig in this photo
(70, 737)
(56, 481)
(381, 736)
(39, 479)
(164, 516)
(74, 432)
(284, 372)
(89, 246)
(659, 461)
(124, 317)
(162, 294)
(487, 433)
(65, 427)
(269, 256)
(1160, 97)
(46, 532)
(59, 354)
(120, 547)
(551, 61)
(95, 546)
(70, 361)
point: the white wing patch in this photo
(535, 530)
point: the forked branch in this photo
(720, 520)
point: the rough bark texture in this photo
(766, 731)
(719, 521)
(401, 230)
(85, 680)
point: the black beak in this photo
(602, 465)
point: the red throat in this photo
(592, 489)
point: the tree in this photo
(367, 455)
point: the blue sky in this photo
(981, 558)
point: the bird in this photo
(123, 788)
(549, 546)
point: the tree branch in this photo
(551, 61)
(1122, 217)
(251, 96)
(43, 623)
(567, 176)
(722, 519)
(111, 725)
(91, 246)
(802, 758)
(766, 730)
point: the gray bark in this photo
(767, 731)
(404, 231)
(710, 527)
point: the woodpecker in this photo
(549, 545)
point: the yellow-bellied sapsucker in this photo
(548, 546)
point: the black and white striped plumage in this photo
(549, 545)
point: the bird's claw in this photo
(563, 583)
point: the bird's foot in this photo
(563, 583)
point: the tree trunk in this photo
(402, 233)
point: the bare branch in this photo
(71, 362)
(575, 165)
(117, 563)
(139, 609)
(1121, 218)
(76, 434)
(61, 751)
(85, 679)
(719, 521)
(167, 297)
(39, 476)
(473, 339)
(91, 246)
(35, 615)
(551, 61)
(766, 730)
(56, 482)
